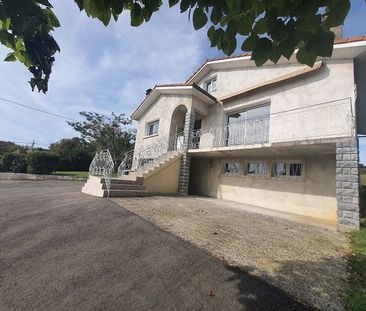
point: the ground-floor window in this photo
(231, 168)
(270, 168)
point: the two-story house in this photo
(282, 136)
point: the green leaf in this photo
(275, 54)
(306, 57)
(244, 26)
(184, 5)
(7, 39)
(211, 32)
(287, 47)
(199, 18)
(338, 11)
(10, 58)
(250, 42)
(173, 2)
(44, 2)
(278, 30)
(216, 15)
(324, 44)
(117, 6)
(260, 26)
(262, 51)
(136, 15)
(54, 21)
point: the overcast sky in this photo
(108, 69)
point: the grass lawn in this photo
(357, 266)
(75, 174)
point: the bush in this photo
(363, 201)
(42, 162)
(14, 163)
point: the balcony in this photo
(250, 132)
(324, 122)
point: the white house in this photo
(282, 136)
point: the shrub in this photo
(363, 201)
(14, 163)
(42, 162)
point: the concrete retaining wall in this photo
(22, 176)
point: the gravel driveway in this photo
(305, 261)
(63, 250)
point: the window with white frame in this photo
(210, 85)
(288, 168)
(231, 168)
(256, 168)
(152, 128)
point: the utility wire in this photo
(36, 109)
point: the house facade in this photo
(282, 136)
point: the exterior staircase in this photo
(132, 184)
(97, 186)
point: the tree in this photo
(75, 154)
(267, 28)
(114, 133)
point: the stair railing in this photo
(102, 165)
(147, 156)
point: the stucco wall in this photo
(332, 84)
(165, 181)
(314, 196)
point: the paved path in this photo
(63, 250)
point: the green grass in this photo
(75, 174)
(357, 268)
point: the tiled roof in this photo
(336, 41)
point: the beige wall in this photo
(161, 110)
(314, 196)
(165, 181)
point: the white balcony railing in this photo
(239, 133)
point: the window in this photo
(210, 85)
(257, 113)
(152, 128)
(250, 126)
(290, 169)
(280, 169)
(232, 168)
(256, 168)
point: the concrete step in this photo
(116, 186)
(126, 193)
(137, 181)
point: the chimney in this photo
(338, 31)
(148, 91)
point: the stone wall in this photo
(185, 165)
(347, 185)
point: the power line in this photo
(36, 109)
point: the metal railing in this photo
(239, 133)
(147, 156)
(102, 165)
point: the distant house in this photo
(281, 136)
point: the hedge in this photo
(42, 162)
(14, 162)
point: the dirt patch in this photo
(304, 260)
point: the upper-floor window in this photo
(152, 128)
(254, 113)
(210, 85)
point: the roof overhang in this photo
(343, 49)
(188, 90)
